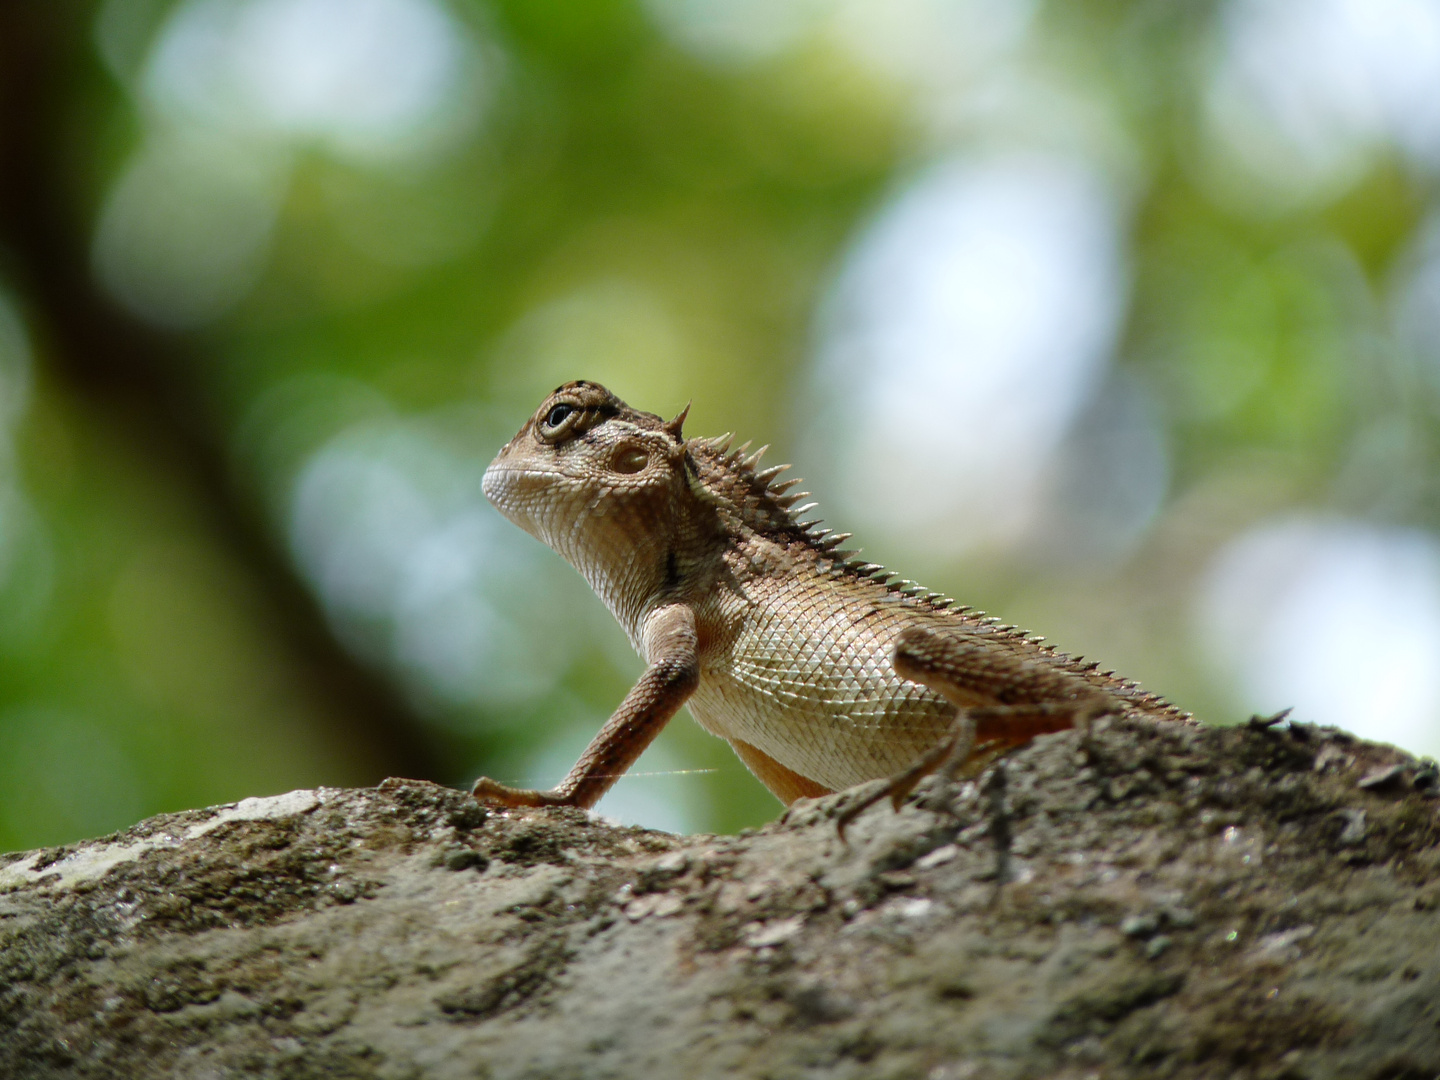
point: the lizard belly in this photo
(830, 707)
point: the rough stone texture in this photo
(1183, 902)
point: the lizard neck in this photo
(639, 563)
(628, 587)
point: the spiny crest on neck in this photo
(766, 504)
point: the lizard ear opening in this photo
(629, 459)
(672, 427)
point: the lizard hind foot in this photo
(899, 785)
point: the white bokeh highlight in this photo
(1340, 620)
(364, 77)
(738, 31)
(968, 327)
(1416, 299)
(1108, 482)
(186, 229)
(1304, 92)
(418, 573)
(962, 63)
(923, 42)
(231, 91)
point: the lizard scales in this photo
(821, 670)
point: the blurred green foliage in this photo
(599, 192)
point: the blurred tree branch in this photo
(138, 378)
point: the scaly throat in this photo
(628, 572)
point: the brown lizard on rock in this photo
(817, 667)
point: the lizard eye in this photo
(556, 418)
(629, 460)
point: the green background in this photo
(208, 468)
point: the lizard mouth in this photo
(533, 496)
(506, 482)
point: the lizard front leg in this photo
(998, 699)
(672, 648)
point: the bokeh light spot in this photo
(1304, 91)
(358, 75)
(1340, 620)
(234, 89)
(737, 31)
(968, 327)
(185, 230)
(1417, 300)
(420, 574)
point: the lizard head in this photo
(587, 469)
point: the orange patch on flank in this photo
(786, 784)
(1019, 730)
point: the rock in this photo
(403, 932)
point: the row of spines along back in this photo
(773, 507)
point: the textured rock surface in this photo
(1184, 902)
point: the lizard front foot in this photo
(492, 793)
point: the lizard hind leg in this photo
(1000, 701)
(925, 663)
(1008, 700)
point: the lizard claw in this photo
(1263, 722)
(854, 810)
(899, 785)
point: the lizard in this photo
(822, 670)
